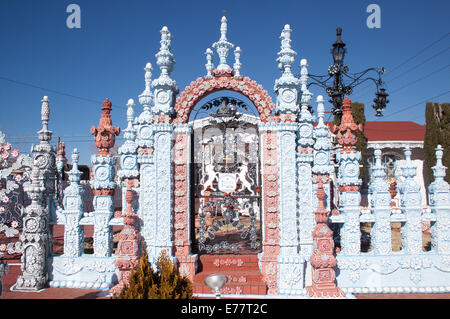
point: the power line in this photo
(407, 60)
(57, 92)
(420, 79)
(420, 64)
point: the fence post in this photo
(73, 210)
(348, 180)
(411, 207)
(380, 203)
(104, 185)
(440, 206)
(36, 236)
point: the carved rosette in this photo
(322, 259)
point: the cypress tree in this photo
(165, 283)
(437, 117)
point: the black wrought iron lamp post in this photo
(337, 89)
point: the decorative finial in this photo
(105, 133)
(408, 154)
(61, 149)
(146, 97)
(286, 55)
(439, 155)
(164, 57)
(223, 46)
(45, 113)
(237, 64)
(130, 111)
(320, 108)
(209, 64)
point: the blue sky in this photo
(106, 56)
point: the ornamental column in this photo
(128, 248)
(290, 265)
(73, 211)
(381, 208)
(36, 236)
(440, 207)
(322, 259)
(103, 184)
(411, 207)
(348, 180)
(305, 157)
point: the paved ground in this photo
(66, 293)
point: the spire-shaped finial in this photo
(223, 46)
(105, 134)
(439, 155)
(237, 64)
(164, 57)
(45, 113)
(320, 108)
(146, 97)
(408, 155)
(74, 173)
(44, 134)
(377, 154)
(209, 63)
(223, 28)
(286, 55)
(130, 111)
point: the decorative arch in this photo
(202, 87)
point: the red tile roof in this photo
(394, 131)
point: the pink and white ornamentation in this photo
(322, 259)
(128, 247)
(271, 247)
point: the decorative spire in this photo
(306, 95)
(237, 64)
(286, 56)
(44, 134)
(74, 173)
(346, 131)
(409, 170)
(439, 169)
(209, 64)
(164, 87)
(146, 97)
(223, 46)
(130, 112)
(105, 133)
(164, 57)
(378, 172)
(61, 150)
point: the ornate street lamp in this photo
(337, 90)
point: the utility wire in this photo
(57, 92)
(390, 71)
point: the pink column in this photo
(322, 259)
(186, 262)
(129, 243)
(271, 247)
